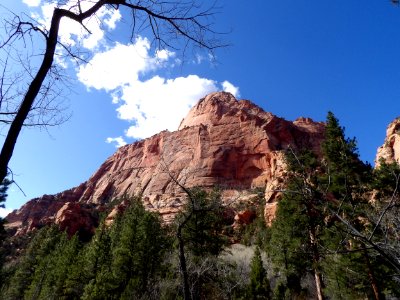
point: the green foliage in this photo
(304, 235)
(259, 284)
(290, 248)
(345, 175)
(257, 232)
(384, 218)
(51, 274)
(97, 260)
(326, 203)
(44, 269)
(385, 179)
(198, 231)
(120, 262)
(126, 259)
(352, 183)
(202, 232)
(139, 252)
(3, 190)
(326, 227)
(41, 245)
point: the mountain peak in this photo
(216, 108)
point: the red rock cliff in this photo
(222, 141)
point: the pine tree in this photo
(140, 251)
(259, 284)
(40, 246)
(384, 217)
(320, 189)
(347, 181)
(126, 258)
(202, 231)
(97, 259)
(199, 233)
(51, 274)
(298, 226)
(345, 177)
(76, 279)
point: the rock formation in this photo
(222, 141)
(390, 150)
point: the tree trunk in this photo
(37, 82)
(371, 275)
(318, 284)
(182, 263)
(315, 257)
(30, 96)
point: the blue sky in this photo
(292, 58)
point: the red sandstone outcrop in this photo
(245, 217)
(222, 141)
(390, 150)
(74, 217)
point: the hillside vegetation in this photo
(335, 236)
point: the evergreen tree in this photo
(51, 274)
(345, 176)
(97, 259)
(259, 284)
(41, 245)
(384, 218)
(76, 279)
(203, 230)
(136, 244)
(319, 191)
(298, 226)
(347, 181)
(199, 233)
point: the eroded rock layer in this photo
(222, 141)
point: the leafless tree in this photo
(173, 24)
(47, 110)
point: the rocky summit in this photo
(231, 143)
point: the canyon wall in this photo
(223, 141)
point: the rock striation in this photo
(390, 150)
(223, 141)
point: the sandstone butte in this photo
(223, 141)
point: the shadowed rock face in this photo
(222, 141)
(390, 150)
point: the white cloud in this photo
(164, 55)
(199, 59)
(151, 104)
(230, 88)
(31, 3)
(4, 212)
(112, 18)
(119, 141)
(117, 66)
(158, 103)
